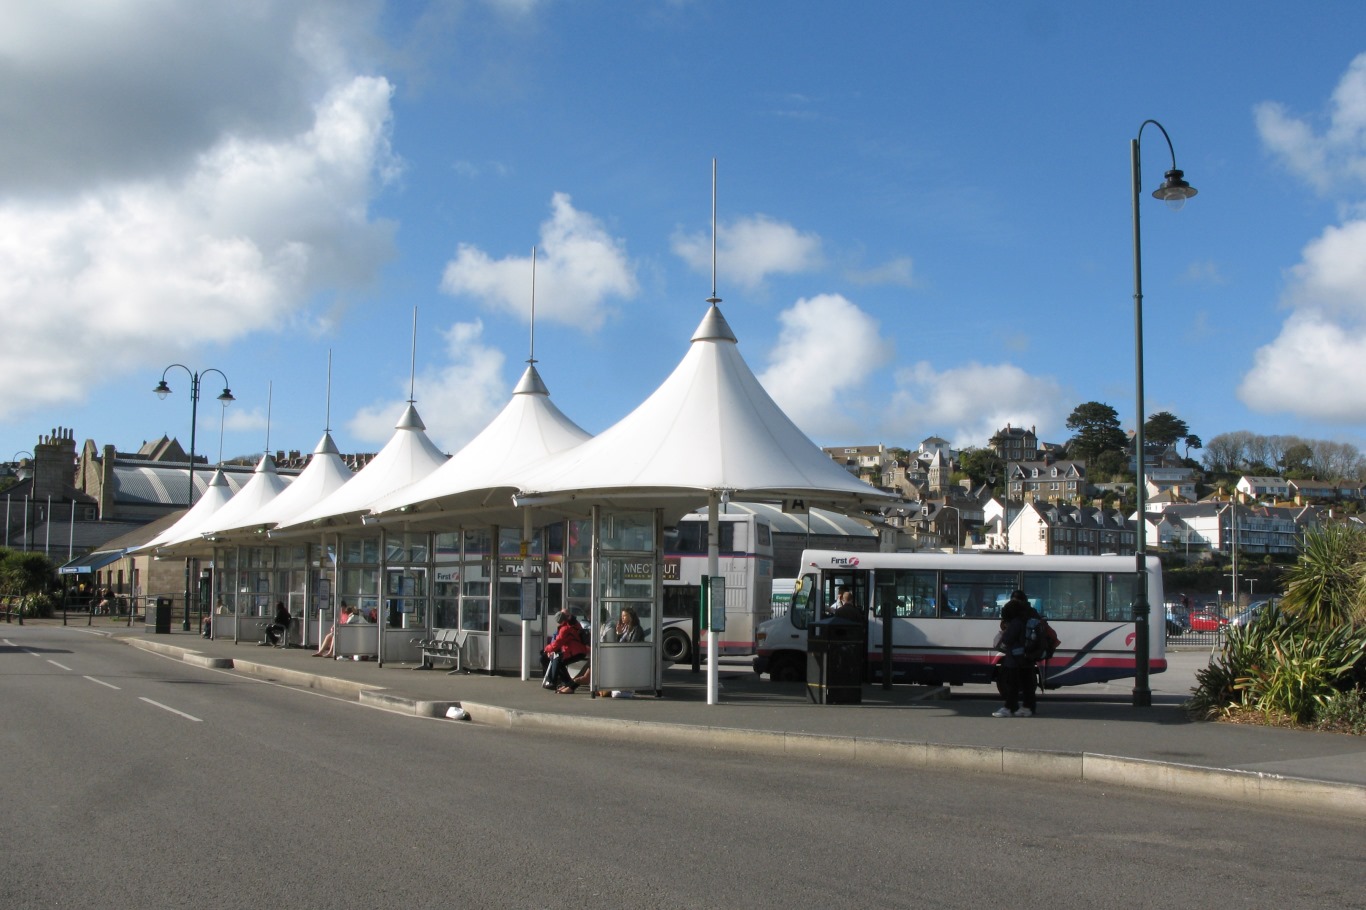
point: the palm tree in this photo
(1327, 584)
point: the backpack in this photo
(1040, 641)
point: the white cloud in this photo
(1315, 367)
(578, 268)
(149, 267)
(1338, 154)
(126, 89)
(968, 404)
(748, 250)
(826, 350)
(456, 400)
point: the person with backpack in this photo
(1015, 671)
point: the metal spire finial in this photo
(713, 299)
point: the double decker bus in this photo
(746, 561)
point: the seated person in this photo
(568, 645)
(278, 630)
(626, 630)
(328, 646)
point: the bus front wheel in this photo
(785, 668)
(676, 648)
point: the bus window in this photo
(911, 593)
(1118, 597)
(974, 595)
(1062, 595)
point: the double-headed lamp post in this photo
(1174, 191)
(162, 390)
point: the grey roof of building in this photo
(166, 485)
(820, 521)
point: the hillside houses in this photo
(1053, 507)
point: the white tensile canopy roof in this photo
(216, 495)
(325, 473)
(264, 486)
(408, 456)
(478, 480)
(709, 429)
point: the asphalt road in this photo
(133, 780)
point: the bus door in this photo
(859, 581)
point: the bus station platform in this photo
(1087, 733)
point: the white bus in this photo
(946, 609)
(746, 561)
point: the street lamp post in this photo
(958, 516)
(162, 390)
(1174, 191)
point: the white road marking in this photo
(61, 666)
(172, 710)
(103, 683)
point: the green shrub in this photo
(1343, 712)
(1281, 666)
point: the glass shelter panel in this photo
(360, 550)
(628, 531)
(405, 597)
(360, 588)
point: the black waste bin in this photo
(834, 662)
(158, 617)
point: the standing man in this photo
(1015, 672)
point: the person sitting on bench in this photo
(278, 630)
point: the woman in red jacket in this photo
(569, 645)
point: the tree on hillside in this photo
(1108, 466)
(1227, 452)
(1295, 461)
(1165, 428)
(1097, 430)
(1192, 442)
(981, 465)
(1336, 461)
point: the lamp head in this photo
(1174, 190)
(226, 397)
(162, 390)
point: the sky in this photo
(923, 214)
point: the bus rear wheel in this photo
(676, 647)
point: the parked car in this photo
(1250, 613)
(1178, 618)
(1204, 621)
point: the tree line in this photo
(1291, 457)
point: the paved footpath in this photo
(1090, 733)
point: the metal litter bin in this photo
(834, 662)
(158, 619)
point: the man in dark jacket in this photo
(1015, 672)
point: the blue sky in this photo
(924, 213)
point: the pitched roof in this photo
(481, 477)
(408, 456)
(709, 427)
